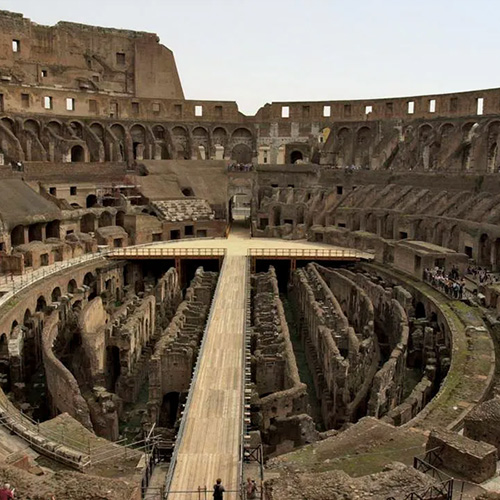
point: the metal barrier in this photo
(130, 252)
(180, 433)
(324, 253)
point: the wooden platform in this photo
(210, 445)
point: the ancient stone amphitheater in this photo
(307, 297)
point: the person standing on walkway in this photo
(251, 489)
(218, 490)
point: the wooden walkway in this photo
(210, 445)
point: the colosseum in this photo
(303, 303)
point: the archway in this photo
(113, 366)
(72, 286)
(89, 280)
(53, 229)
(77, 154)
(420, 310)
(56, 294)
(241, 153)
(87, 223)
(17, 236)
(106, 219)
(91, 200)
(41, 304)
(484, 250)
(169, 410)
(296, 156)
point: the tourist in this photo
(218, 490)
(7, 492)
(251, 489)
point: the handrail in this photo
(180, 433)
(302, 252)
(128, 252)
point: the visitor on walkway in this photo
(218, 490)
(6, 492)
(251, 489)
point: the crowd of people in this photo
(452, 284)
(481, 275)
(240, 167)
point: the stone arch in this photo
(492, 156)
(53, 229)
(454, 238)
(118, 132)
(77, 154)
(98, 130)
(35, 232)
(296, 156)
(484, 254)
(27, 317)
(219, 135)
(72, 286)
(241, 153)
(424, 132)
(76, 128)
(242, 134)
(106, 219)
(420, 310)
(56, 294)
(87, 223)
(159, 132)
(90, 281)
(138, 134)
(180, 139)
(120, 218)
(41, 304)
(32, 126)
(55, 127)
(371, 223)
(201, 142)
(17, 236)
(91, 200)
(8, 123)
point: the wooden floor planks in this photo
(210, 447)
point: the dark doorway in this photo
(296, 156)
(77, 154)
(169, 409)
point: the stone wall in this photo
(342, 360)
(279, 401)
(174, 356)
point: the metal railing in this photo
(324, 253)
(17, 284)
(128, 252)
(182, 426)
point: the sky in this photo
(257, 51)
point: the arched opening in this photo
(138, 140)
(106, 219)
(41, 304)
(90, 282)
(219, 136)
(241, 153)
(87, 223)
(17, 236)
(32, 126)
(371, 223)
(91, 200)
(187, 191)
(76, 129)
(296, 156)
(113, 366)
(55, 127)
(420, 311)
(492, 156)
(169, 410)
(55, 296)
(72, 286)
(484, 250)
(120, 219)
(77, 154)
(35, 232)
(181, 143)
(53, 229)
(239, 207)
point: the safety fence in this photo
(307, 253)
(155, 252)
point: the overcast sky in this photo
(258, 51)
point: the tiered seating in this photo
(181, 210)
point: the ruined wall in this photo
(280, 400)
(175, 353)
(63, 388)
(342, 360)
